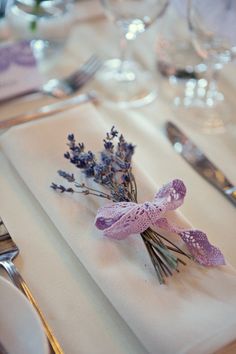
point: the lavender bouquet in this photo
(123, 216)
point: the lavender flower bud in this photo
(71, 137)
(108, 145)
(67, 155)
(69, 177)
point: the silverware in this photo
(168, 70)
(62, 88)
(196, 158)
(48, 110)
(3, 349)
(71, 84)
(8, 251)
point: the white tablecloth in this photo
(81, 307)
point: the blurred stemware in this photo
(174, 48)
(212, 24)
(124, 81)
(177, 59)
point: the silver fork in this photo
(61, 88)
(8, 251)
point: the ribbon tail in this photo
(197, 243)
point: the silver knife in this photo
(196, 158)
(48, 110)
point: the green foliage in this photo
(36, 8)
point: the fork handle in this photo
(20, 284)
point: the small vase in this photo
(47, 24)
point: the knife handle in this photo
(230, 193)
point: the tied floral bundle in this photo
(123, 216)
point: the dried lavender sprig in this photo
(61, 189)
(175, 247)
(155, 262)
(133, 187)
(159, 259)
(86, 191)
(163, 260)
(114, 173)
(83, 185)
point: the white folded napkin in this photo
(194, 313)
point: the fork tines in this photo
(85, 73)
(6, 242)
(3, 230)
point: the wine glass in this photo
(213, 29)
(124, 81)
(177, 60)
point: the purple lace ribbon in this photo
(119, 220)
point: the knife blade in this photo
(48, 110)
(200, 162)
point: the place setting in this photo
(117, 221)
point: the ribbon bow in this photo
(119, 220)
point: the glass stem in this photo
(212, 90)
(124, 47)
